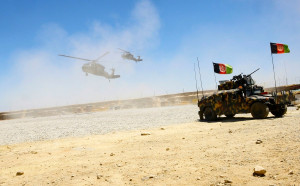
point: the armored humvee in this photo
(241, 95)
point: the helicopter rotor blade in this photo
(101, 56)
(76, 58)
(123, 50)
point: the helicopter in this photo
(93, 67)
(129, 56)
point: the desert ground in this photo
(157, 146)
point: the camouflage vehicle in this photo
(241, 95)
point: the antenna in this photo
(196, 82)
(200, 77)
(286, 80)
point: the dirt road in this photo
(197, 153)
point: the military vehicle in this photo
(241, 95)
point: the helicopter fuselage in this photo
(129, 56)
(98, 70)
(92, 67)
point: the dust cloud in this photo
(40, 78)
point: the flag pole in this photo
(274, 73)
(215, 77)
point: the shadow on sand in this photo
(235, 119)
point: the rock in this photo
(19, 173)
(33, 152)
(148, 177)
(227, 181)
(198, 178)
(145, 134)
(230, 131)
(99, 176)
(258, 141)
(259, 171)
(291, 172)
(167, 149)
(162, 128)
(112, 154)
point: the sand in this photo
(196, 153)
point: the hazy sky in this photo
(169, 35)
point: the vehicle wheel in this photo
(259, 110)
(210, 114)
(280, 111)
(229, 115)
(200, 115)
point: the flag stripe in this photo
(278, 48)
(222, 68)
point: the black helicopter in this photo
(129, 56)
(93, 67)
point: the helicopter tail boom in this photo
(112, 75)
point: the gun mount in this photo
(238, 81)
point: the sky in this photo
(169, 35)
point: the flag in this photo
(277, 48)
(222, 68)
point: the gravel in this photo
(42, 128)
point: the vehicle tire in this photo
(210, 114)
(259, 110)
(279, 112)
(229, 115)
(200, 115)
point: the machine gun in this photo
(244, 78)
(237, 81)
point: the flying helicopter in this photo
(93, 67)
(129, 56)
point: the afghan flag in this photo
(222, 68)
(277, 48)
